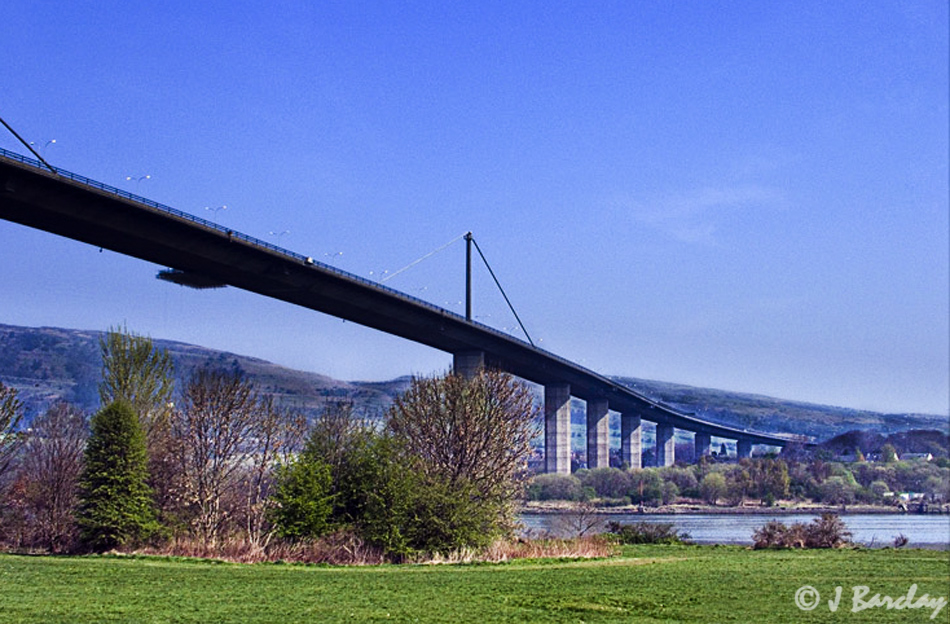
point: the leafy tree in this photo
(888, 454)
(768, 478)
(646, 487)
(52, 464)
(712, 487)
(303, 503)
(115, 505)
(669, 492)
(326, 487)
(553, 486)
(136, 372)
(606, 482)
(350, 450)
(738, 484)
(837, 491)
(877, 490)
(683, 477)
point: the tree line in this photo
(216, 464)
(786, 477)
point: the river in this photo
(874, 530)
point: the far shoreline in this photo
(787, 508)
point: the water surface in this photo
(875, 530)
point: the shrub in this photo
(302, 500)
(647, 533)
(828, 531)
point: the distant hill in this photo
(47, 364)
(918, 441)
(762, 413)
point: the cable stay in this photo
(470, 240)
(28, 146)
(415, 262)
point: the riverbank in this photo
(780, 508)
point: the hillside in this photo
(763, 413)
(48, 364)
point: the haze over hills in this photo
(49, 364)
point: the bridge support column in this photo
(702, 444)
(598, 434)
(743, 448)
(665, 445)
(468, 363)
(630, 450)
(557, 428)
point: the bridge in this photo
(203, 254)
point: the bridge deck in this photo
(81, 209)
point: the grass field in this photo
(645, 584)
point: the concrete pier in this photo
(557, 428)
(598, 434)
(702, 444)
(630, 434)
(665, 445)
(743, 448)
(468, 363)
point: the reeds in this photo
(346, 548)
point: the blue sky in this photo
(744, 195)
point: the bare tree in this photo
(277, 433)
(52, 463)
(11, 411)
(473, 432)
(214, 430)
(12, 492)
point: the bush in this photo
(828, 531)
(646, 533)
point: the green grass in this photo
(646, 584)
